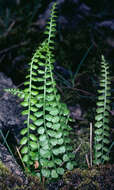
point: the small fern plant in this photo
(102, 128)
(46, 145)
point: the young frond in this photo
(102, 116)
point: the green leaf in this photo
(101, 97)
(33, 137)
(38, 114)
(48, 117)
(39, 105)
(105, 133)
(62, 149)
(24, 150)
(69, 148)
(44, 143)
(105, 149)
(45, 146)
(53, 142)
(55, 119)
(25, 112)
(39, 122)
(40, 96)
(42, 137)
(24, 131)
(100, 103)
(33, 109)
(66, 112)
(98, 154)
(56, 126)
(33, 101)
(58, 134)
(98, 138)
(99, 117)
(100, 91)
(100, 110)
(54, 174)
(45, 172)
(97, 162)
(102, 84)
(54, 111)
(60, 171)
(24, 104)
(50, 97)
(98, 131)
(69, 166)
(48, 108)
(106, 127)
(49, 83)
(106, 120)
(106, 141)
(45, 153)
(34, 92)
(41, 71)
(71, 155)
(34, 155)
(40, 79)
(49, 90)
(23, 140)
(65, 158)
(25, 158)
(34, 66)
(41, 88)
(33, 145)
(98, 146)
(106, 158)
(50, 164)
(43, 162)
(67, 140)
(51, 133)
(33, 118)
(32, 127)
(56, 151)
(60, 141)
(66, 133)
(58, 161)
(27, 82)
(41, 130)
(99, 124)
(49, 124)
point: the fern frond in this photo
(102, 116)
(15, 91)
(46, 133)
(51, 26)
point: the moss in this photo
(3, 170)
(87, 179)
(10, 182)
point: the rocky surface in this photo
(10, 163)
(11, 120)
(11, 123)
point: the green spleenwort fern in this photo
(102, 116)
(46, 135)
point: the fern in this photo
(102, 116)
(45, 138)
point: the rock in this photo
(10, 163)
(11, 120)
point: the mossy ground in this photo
(96, 178)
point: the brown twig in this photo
(20, 157)
(75, 151)
(87, 160)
